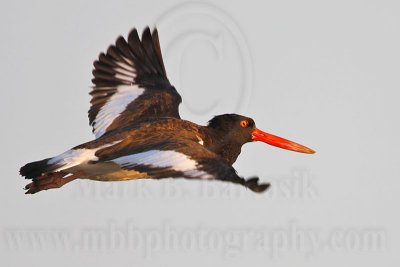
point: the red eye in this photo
(244, 123)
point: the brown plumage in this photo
(139, 133)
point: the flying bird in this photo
(139, 133)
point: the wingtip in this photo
(146, 32)
(254, 186)
(120, 38)
(133, 32)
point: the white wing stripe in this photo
(114, 107)
(127, 60)
(74, 157)
(162, 159)
(125, 66)
(124, 77)
(125, 72)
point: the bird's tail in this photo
(35, 169)
(44, 175)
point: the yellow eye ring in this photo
(244, 123)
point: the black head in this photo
(231, 131)
(233, 128)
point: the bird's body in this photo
(139, 132)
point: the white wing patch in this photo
(165, 159)
(75, 157)
(201, 141)
(115, 106)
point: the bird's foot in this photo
(252, 184)
(48, 181)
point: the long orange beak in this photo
(277, 141)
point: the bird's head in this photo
(240, 130)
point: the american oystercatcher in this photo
(139, 133)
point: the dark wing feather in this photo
(130, 84)
(148, 46)
(156, 43)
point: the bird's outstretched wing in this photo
(174, 157)
(130, 84)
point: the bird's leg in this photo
(50, 180)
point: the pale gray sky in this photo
(325, 74)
